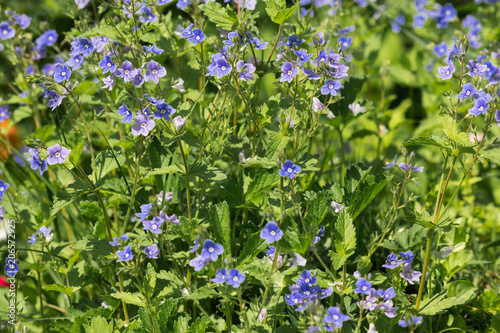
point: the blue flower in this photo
(303, 56)
(75, 61)
(36, 162)
(409, 274)
(197, 36)
(172, 218)
(480, 107)
(335, 317)
(331, 87)
(61, 73)
(142, 125)
(152, 251)
(389, 293)
(407, 256)
(107, 65)
(153, 225)
(211, 250)
(116, 240)
(288, 72)
(446, 72)
(306, 278)
(476, 68)
(125, 255)
(164, 111)
(245, 70)
(345, 42)
(220, 276)
(440, 49)
(419, 21)
(144, 214)
(23, 20)
(85, 47)
(408, 321)
(153, 49)
(363, 286)
(196, 245)
(219, 66)
(48, 38)
(235, 278)
(57, 154)
(289, 169)
(396, 25)
(109, 82)
(126, 71)
(182, 4)
(258, 44)
(322, 56)
(467, 91)
(198, 263)
(294, 41)
(125, 113)
(392, 261)
(4, 113)
(271, 232)
(11, 267)
(497, 117)
(154, 72)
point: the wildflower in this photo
(370, 303)
(258, 44)
(196, 37)
(289, 169)
(317, 105)
(11, 267)
(107, 65)
(211, 250)
(36, 162)
(356, 108)
(142, 125)
(4, 113)
(196, 245)
(331, 87)
(372, 328)
(388, 308)
(6, 31)
(179, 85)
(388, 294)
(262, 314)
(22, 20)
(125, 113)
(476, 69)
(245, 70)
(154, 72)
(173, 218)
(440, 49)
(126, 71)
(220, 276)
(235, 278)
(467, 91)
(345, 42)
(289, 71)
(198, 263)
(396, 24)
(480, 107)
(61, 73)
(271, 232)
(182, 4)
(75, 61)
(446, 72)
(138, 79)
(363, 286)
(320, 234)
(335, 317)
(164, 111)
(57, 154)
(219, 66)
(178, 122)
(153, 225)
(336, 206)
(81, 3)
(152, 251)
(497, 117)
(392, 261)
(116, 241)
(409, 321)
(409, 274)
(44, 231)
(419, 21)
(407, 256)
(54, 99)
(294, 41)
(306, 278)
(32, 239)
(303, 56)
(125, 255)
(109, 83)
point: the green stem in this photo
(186, 172)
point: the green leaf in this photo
(488, 302)
(200, 325)
(224, 18)
(317, 210)
(64, 198)
(264, 181)
(439, 303)
(59, 287)
(105, 163)
(155, 152)
(220, 218)
(99, 325)
(436, 141)
(251, 248)
(206, 172)
(461, 288)
(277, 11)
(202, 293)
(278, 143)
(452, 131)
(167, 312)
(456, 261)
(107, 31)
(182, 324)
(345, 239)
(76, 152)
(165, 170)
(150, 279)
(130, 298)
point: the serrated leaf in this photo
(206, 172)
(130, 298)
(251, 247)
(107, 31)
(317, 210)
(277, 11)
(59, 287)
(345, 239)
(436, 141)
(264, 181)
(99, 325)
(224, 18)
(220, 217)
(439, 303)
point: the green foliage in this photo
(224, 18)
(277, 11)
(345, 240)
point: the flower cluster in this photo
(11, 267)
(155, 223)
(442, 15)
(306, 292)
(404, 166)
(209, 252)
(375, 299)
(232, 277)
(407, 273)
(41, 232)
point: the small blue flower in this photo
(307, 278)
(154, 72)
(467, 91)
(61, 73)
(36, 162)
(125, 255)
(153, 225)
(211, 250)
(198, 263)
(407, 256)
(288, 72)
(480, 107)
(396, 25)
(125, 113)
(196, 37)
(294, 41)
(419, 21)
(182, 4)
(126, 71)
(196, 245)
(75, 61)
(440, 49)
(303, 56)
(476, 69)
(289, 169)
(446, 72)
(3, 187)
(389, 293)
(220, 276)
(392, 261)
(153, 49)
(107, 65)
(235, 278)
(363, 286)
(11, 267)
(410, 275)
(6, 31)
(85, 47)
(320, 234)
(335, 317)
(164, 111)
(271, 232)
(32, 239)
(4, 113)
(144, 214)
(152, 251)
(331, 87)
(345, 42)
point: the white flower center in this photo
(235, 278)
(63, 73)
(393, 263)
(467, 93)
(109, 64)
(143, 125)
(306, 279)
(127, 255)
(5, 31)
(447, 72)
(481, 108)
(363, 288)
(57, 154)
(197, 37)
(154, 226)
(155, 71)
(223, 68)
(211, 250)
(330, 86)
(51, 38)
(289, 170)
(335, 317)
(289, 72)
(273, 233)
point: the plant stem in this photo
(186, 172)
